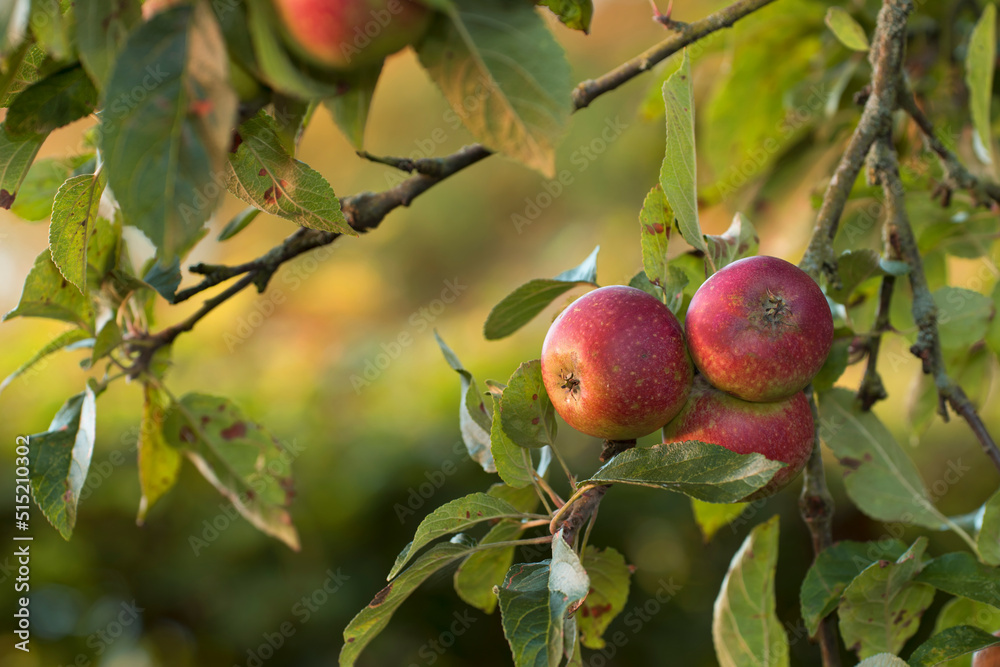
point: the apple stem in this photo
(584, 506)
(614, 448)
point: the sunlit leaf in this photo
(526, 413)
(847, 30)
(575, 14)
(609, 585)
(880, 478)
(745, 628)
(74, 214)
(523, 304)
(16, 156)
(48, 294)
(979, 65)
(60, 458)
(678, 171)
(505, 76)
(159, 462)
(59, 342)
(477, 576)
(710, 517)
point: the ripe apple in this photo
(759, 329)
(781, 431)
(349, 34)
(614, 364)
(988, 657)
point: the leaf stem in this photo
(534, 481)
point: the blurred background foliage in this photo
(775, 108)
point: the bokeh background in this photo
(288, 358)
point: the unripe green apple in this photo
(781, 431)
(614, 364)
(349, 34)
(988, 657)
(759, 329)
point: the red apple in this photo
(614, 364)
(759, 329)
(988, 657)
(348, 34)
(781, 431)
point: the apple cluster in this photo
(618, 365)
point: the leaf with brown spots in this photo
(47, 294)
(371, 620)
(655, 220)
(264, 174)
(882, 606)
(609, 584)
(239, 458)
(16, 156)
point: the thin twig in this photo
(928, 345)
(957, 177)
(816, 506)
(872, 390)
(886, 56)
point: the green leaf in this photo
(854, 267)
(963, 611)
(165, 149)
(16, 156)
(745, 628)
(51, 103)
(655, 221)
(101, 30)
(74, 214)
(970, 368)
(703, 471)
(264, 174)
(59, 342)
(39, 187)
(47, 294)
(993, 334)
(678, 173)
(526, 413)
(979, 64)
(836, 567)
(836, 362)
(847, 30)
(961, 574)
(481, 572)
(988, 539)
(23, 69)
(883, 660)
(520, 306)
(239, 458)
(882, 607)
(51, 28)
(952, 643)
(371, 620)
(710, 517)
(350, 107)
(609, 586)
(505, 76)
(535, 599)
(159, 462)
(963, 316)
(59, 460)
(454, 517)
(239, 222)
(879, 477)
(737, 242)
(641, 281)
(575, 14)
(473, 419)
(164, 277)
(512, 462)
(107, 339)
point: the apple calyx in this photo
(776, 311)
(571, 384)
